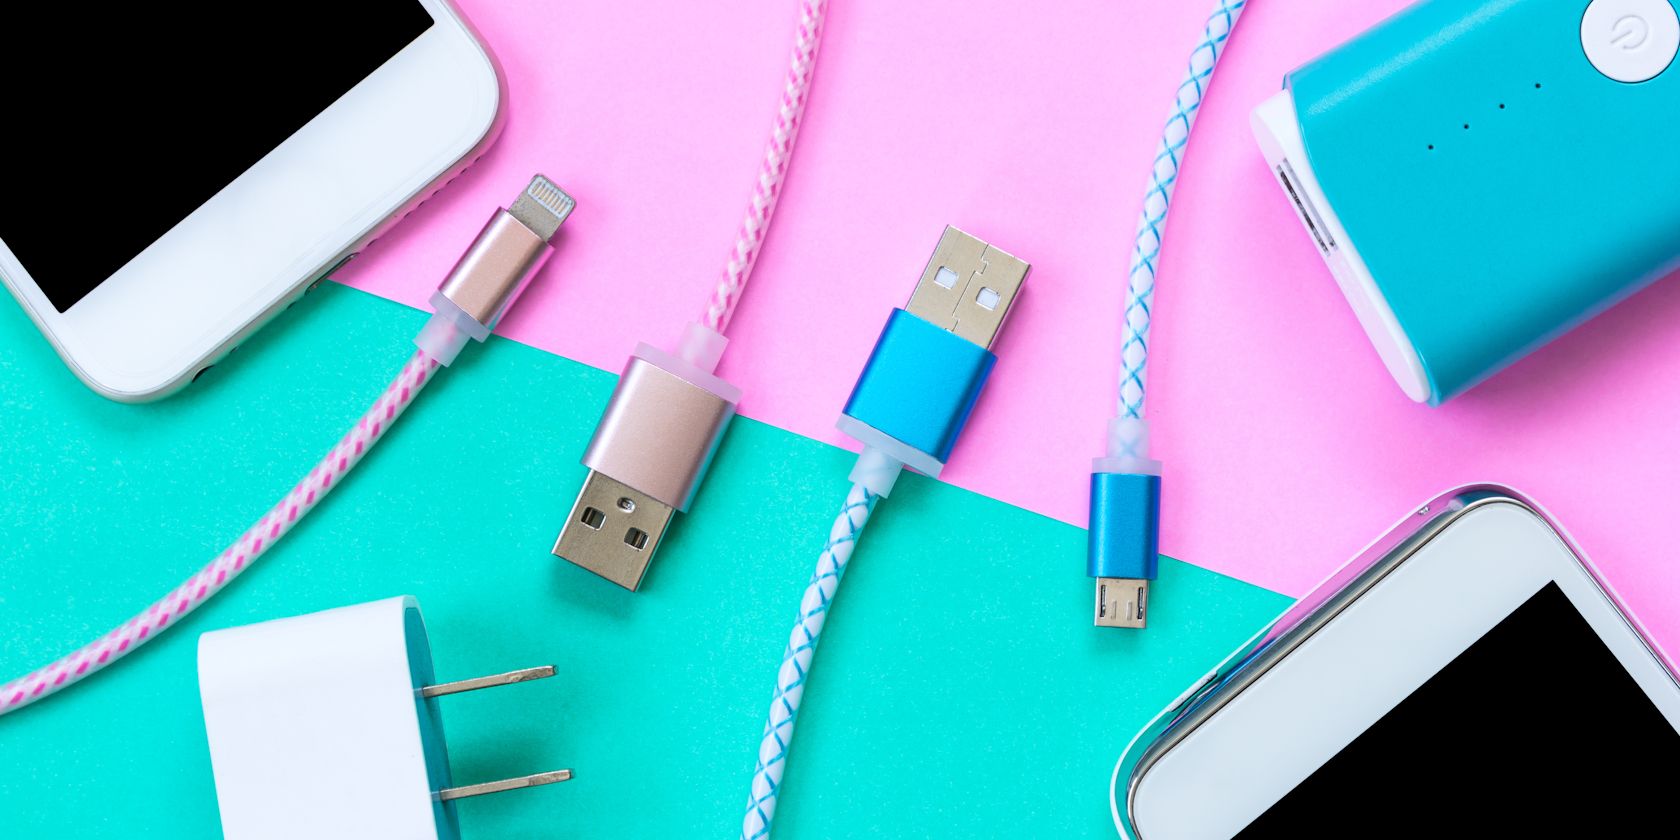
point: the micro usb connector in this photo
(1123, 602)
(1123, 549)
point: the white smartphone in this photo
(1470, 675)
(179, 173)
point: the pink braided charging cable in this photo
(777, 154)
(238, 557)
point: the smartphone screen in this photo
(1534, 731)
(121, 119)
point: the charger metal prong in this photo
(509, 678)
(533, 780)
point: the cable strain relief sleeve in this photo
(448, 331)
(441, 339)
(1127, 448)
(876, 471)
(702, 346)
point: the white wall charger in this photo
(326, 726)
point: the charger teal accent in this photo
(1125, 526)
(434, 744)
(920, 384)
(1500, 188)
(952, 658)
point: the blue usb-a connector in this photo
(933, 357)
(917, 390)
(908, 409)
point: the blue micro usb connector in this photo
(1124, 550)
(934, 356)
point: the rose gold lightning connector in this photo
(647, 458)
(491, 275)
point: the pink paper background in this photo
(1033, 124)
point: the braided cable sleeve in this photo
(194, 591)
(777, 155)
(1163, 178)
(796, 661)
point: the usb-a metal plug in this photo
(613, 530)
(968, 287)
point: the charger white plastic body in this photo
(317, 728)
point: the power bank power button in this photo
(1630, 40)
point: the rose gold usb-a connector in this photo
(648, 456)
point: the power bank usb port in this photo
(1304, 207)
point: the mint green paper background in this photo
(960, 691)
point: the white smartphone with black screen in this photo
(1468, 676)
(176, 174)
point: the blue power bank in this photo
(1484, 175)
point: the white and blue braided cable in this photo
(796, 660)
(1163, 178)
